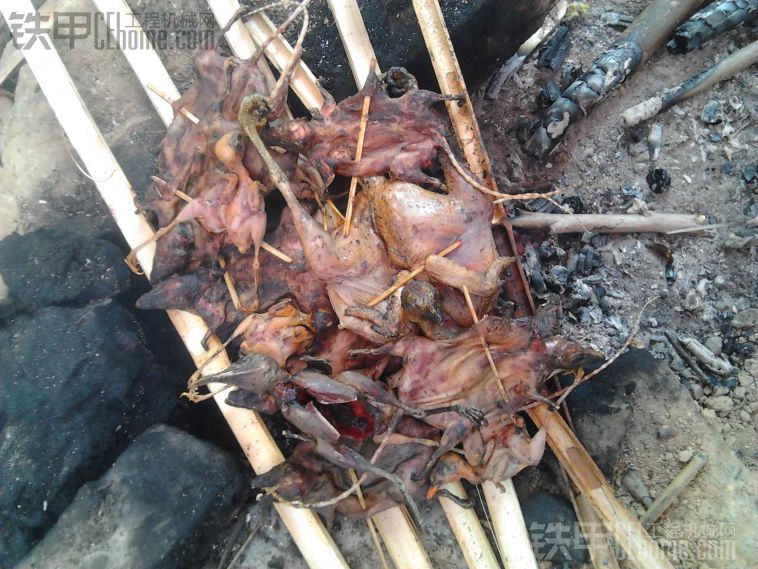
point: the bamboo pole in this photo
(260, 449)
(507, 519)
(620, 522)
(464, 523)
(303, 81)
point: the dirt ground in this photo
(599, 162)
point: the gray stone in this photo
(685, 455)
(149, 511)
(714, 344)
(720, 403)
(666, 432)
(740, 392)
(696, 390)
(746, 319)
(709, 413)
(77, 385)
(745, 416)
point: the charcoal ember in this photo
(555, 49)
(584, 261)
(149, 510)
(548, 250)
(54, 266)
(712, 113)
(558, 278)
(659, 180)
(549, 93)
(600, 240)
(570, 72)
(524, 129)
(616, 20)
(536, 280)
(750, 176)
(77, 385)
(602, 299)
(574, 203)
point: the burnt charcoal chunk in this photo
(52, 267)
(150, 510)
(659, 180)
(555, 50)
(77, 385)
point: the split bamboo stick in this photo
(260, 449)
(466, 527)
(398, 534)
(507, 519)
(620, 522)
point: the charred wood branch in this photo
(619, 223)
(712, 20)
(556, 49)
(514, 63)
(724, 69)
(608, 71)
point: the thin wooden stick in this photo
(153, 89)
(114, 187)
(358, 156)
(620, 522)
(402, 281)
(302, 82)
(485, 345)
(601, 552)
(559, 223)
(369, 522)
(672, 491)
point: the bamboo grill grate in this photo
(314, 542)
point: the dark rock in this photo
(77, 385)
(658, 179)
(150, 510)
(600, 414)
(554, 530)
(52, 267)
(484, 34)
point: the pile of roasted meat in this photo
(411, 386)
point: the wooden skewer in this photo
(402, 281)
(358, 156)
(369, 521)
(170, 101)
(485, 345)
(672, 491)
